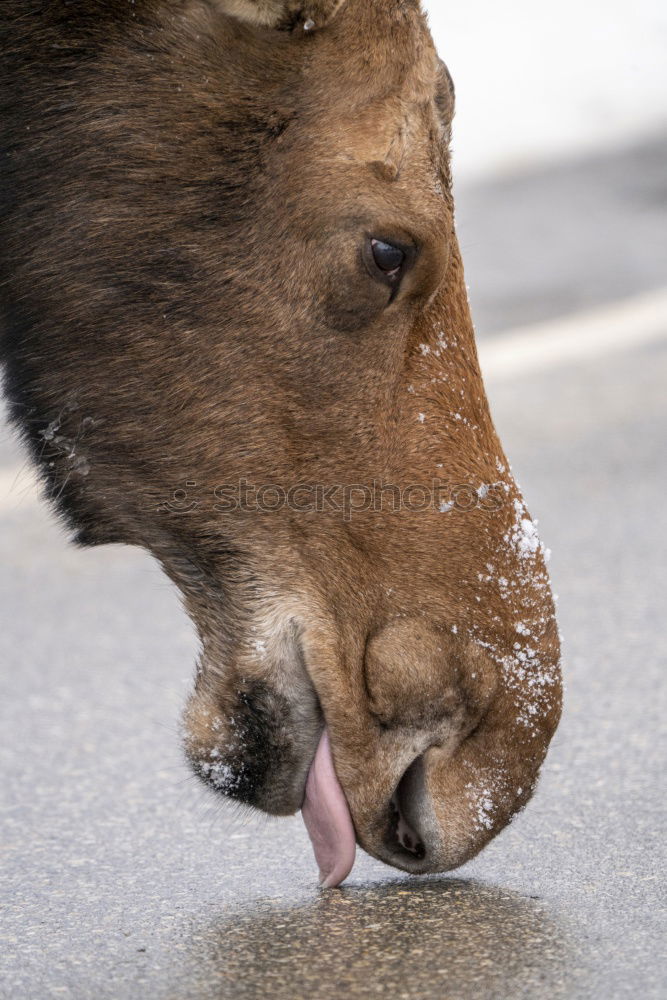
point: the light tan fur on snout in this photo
(192, 197)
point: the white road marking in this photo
(620, 326)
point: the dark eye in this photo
(388, 258)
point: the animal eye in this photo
(389, 259)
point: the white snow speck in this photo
(524, 535)
(483, 806)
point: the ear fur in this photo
(285, 14)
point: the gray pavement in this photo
(120, 877)
(567, 237)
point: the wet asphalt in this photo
(121, 878)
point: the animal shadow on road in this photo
(430, 938)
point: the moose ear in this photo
(285, 14)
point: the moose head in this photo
(236, 333)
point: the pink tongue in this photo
(327, 817)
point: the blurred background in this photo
(540, 87)
(121, 878)
(560, 152)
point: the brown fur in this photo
(187, 199)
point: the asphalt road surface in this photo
(120, 878)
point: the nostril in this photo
(402, 834)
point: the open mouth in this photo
(268, 746)
(404, 843)
(328, 819)
(401, 835)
